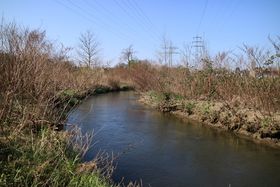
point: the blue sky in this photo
(225, 24)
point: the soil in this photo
(233, 117)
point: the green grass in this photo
(267, 121)
(177, 97)
(88, 180)
(156, 96)
(47, 158)
(189, 107)
(70, 96)
(205, 109)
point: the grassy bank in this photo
(39, 86)
(232, 117)
(245, 101)
(46, 158)
(215, 84)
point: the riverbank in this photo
(73, 97)
(232, 117)
(39, 86)
(40, 153)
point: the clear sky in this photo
(225, 24)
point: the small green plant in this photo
(156, 96)
(68, 92)
(177, 97)
(73, 101)
(206, 109)
(189, 106)
(267, 121)
(68, 95)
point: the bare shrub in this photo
(256, 82)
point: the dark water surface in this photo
(164, 151)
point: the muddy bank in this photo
(233, 117)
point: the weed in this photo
(156, 96)
(177, 97)
(205, 109)
(266, 122)
(47, 158)
(189, 106)
(38, 87)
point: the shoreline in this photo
(73, 98)
(243, 122)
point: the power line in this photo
(142, 14)
(202, 16)
(110, 15)
(87, 17)
(144, 23)
(92, 16)
(140, 11)
(222, 13)
(128, 6)
(137, 14)
(235, 6)
(123, 7)
(220, 9)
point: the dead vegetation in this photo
(39, 85)
(243, 99)
(257, 87)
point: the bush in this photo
(38, 84)
(189, 106)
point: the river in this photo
(161, 150)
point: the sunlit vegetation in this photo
(256, 86)
(218, 93)
(40, 85)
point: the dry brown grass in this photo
(35, 76)
(38, 85)
(33, 73)
(214, 83)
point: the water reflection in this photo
(164, 151)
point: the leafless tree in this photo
(223, 60)
(128, 54)
(274, 58)
(186, 55)
(88, 50)
(256, 56)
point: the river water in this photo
(162, 150)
